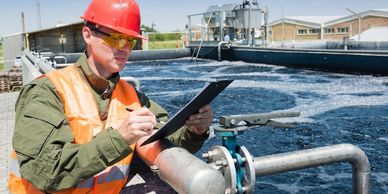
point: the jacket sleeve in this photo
(182, 137)
(43, 142)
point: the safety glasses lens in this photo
(119, 41)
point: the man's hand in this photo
(199, 123)
(139, 123)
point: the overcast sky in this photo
(168, 15)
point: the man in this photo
(76, 128)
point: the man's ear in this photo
(87, 34)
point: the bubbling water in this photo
(335, 108)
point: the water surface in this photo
(336, 108)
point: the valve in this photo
(234, 161)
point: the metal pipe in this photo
(359, 21)
(266, 21)
(142, 55)
(29, 72)
(279, 163)
(222, 15)
(249, 23)
(42, 64)
(359, 28)
(132, 80)
(219, 49)
(189, 24)
(184, 172)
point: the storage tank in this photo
(242, 18)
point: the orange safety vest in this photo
(82, 113)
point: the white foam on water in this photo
(314, 93)
(384, 139)
(382, 178)
(334, 91)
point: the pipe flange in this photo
(222, 160)
(249, 171)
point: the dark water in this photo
(336, 108)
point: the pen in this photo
(130, 109)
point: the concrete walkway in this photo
(7, 119)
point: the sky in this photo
(167, 15)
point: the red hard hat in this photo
(120, 15)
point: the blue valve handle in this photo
(229, 140)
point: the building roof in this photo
(373, 12)
(222, 7)
(56, 27)
(318, 21)
(314, 19)
(308, 21)
(384, 10)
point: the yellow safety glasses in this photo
(114, 39)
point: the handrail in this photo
(203, 36)
(43, 64)
(135, 82)
(29, 71)
(278, 163)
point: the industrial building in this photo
(64, 38)
(307, 28)
(59, 40)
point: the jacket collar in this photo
(102, 86)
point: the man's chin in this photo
(119, 65)
(120, 62)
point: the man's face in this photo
(108, 49)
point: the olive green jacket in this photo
(43, 139)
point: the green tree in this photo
(148, 29)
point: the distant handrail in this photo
(29, 71)
(42, 64)
(203, 36)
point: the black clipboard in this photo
(207, 94)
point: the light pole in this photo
(38, 14)
(359, 22)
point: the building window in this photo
(302, 31)
(343, 30)
(314, 31)
(329, 30)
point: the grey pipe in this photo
(181, 170)
(29, 72)
(219, 49)
(43, 64)
(279, 163)
(140, 55)
(132, 80)
(249, 23)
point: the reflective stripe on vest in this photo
(82, 113)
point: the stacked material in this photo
(15, 78)
(12, 80)
(4, 82)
